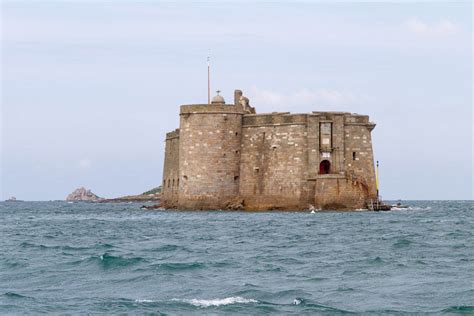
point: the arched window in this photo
(324, 167)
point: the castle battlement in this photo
(227, 156)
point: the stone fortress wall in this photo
(209, 155)
(226, 156)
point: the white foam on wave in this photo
(143, 301)
(217, 302)
(411, 208)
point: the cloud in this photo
(85, 163)
(304, 97)
(440, 28)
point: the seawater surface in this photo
(57, 257)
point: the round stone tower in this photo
(209, 154)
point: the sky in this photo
(89, 88)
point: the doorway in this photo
(324, 167)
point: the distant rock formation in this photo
(83, 194)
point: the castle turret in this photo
(170, 186)
(209, 158)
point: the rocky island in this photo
(82, 194)
(153, 195)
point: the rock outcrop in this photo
(82, 194)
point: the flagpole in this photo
(208, 81)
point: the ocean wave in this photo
(315, 279)
(411, 208)
(461, 309)
(401, 243)
(110, 261)
(31, 245)
(344, 289)
(166, 248)
(173, 266)
(217, 301)
(376, 260)
(63, 247)
(144, 301)
(14, 295)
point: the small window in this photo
(169, 183)
(236, 133)
(353, 155)
(236, 178)
(173, 183)
(177, 183)
(185, 177)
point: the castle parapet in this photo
(276, 118)
(173, 134)
(210, 109)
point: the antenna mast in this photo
(208, 81)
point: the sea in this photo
(104, 258)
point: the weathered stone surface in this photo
(82, 194)
(222, 157)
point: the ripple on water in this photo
(402, 243)
(179, 266)
(109, 261)
(461, 309)
(12, 295)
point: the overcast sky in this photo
(90, 88)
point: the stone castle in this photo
(225, 156)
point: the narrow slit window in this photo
(354, 155)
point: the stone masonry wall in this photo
(170, 184)
(359, 156)
(338, 192)
(273, 162)
(209, 158)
